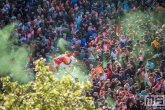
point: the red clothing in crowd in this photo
(109, 74)
(106, 47)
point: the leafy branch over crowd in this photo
(46, 92)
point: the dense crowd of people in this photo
(94, 31)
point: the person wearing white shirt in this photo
(146, 75)
(23, 38)
(37, 20)
(78, 42)
(79, 17)
(29, 23)
(28, 36)
(90, 57)
(5, 9)
(122, 39)
(19, 24)
(163, 25)
(39, 10)
(155, 105)
(126, 86)
(114, 54)
(163, 86)
(103, 76)
(8, 5)
(13, 17)
(142, 51)
(51, 9)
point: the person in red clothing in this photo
(118, 49)
(109, 73)
(86, 62)
(157, 87)
(91, 44)
(98, 38)
(105, 46)
(102, 92)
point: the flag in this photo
(65, 60)
(155, 56)
(158, 86)
(149, 82)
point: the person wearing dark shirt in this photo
(93, 21)
(82, 54)
(32, 16)
(131, 61)
(128, 101)
(109, 93)
(130, 81)
(135, 106)
(43, 53)
(142, 86)
(88, 34)
(123, 64)
(42, 46)
(97, 25)
(113, 34)
(163, 74)
(162, 66)
(129, 70)
(113, 84)
(162, 55)
(89, 40)
(95, 95)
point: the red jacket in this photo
(109, 74)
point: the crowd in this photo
(94, 31)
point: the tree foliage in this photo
(45, 93)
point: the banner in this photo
(65, 60)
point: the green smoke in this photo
(139, 23)
(72, 72)
(63, 45)
(12, 57)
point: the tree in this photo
(45, 93)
